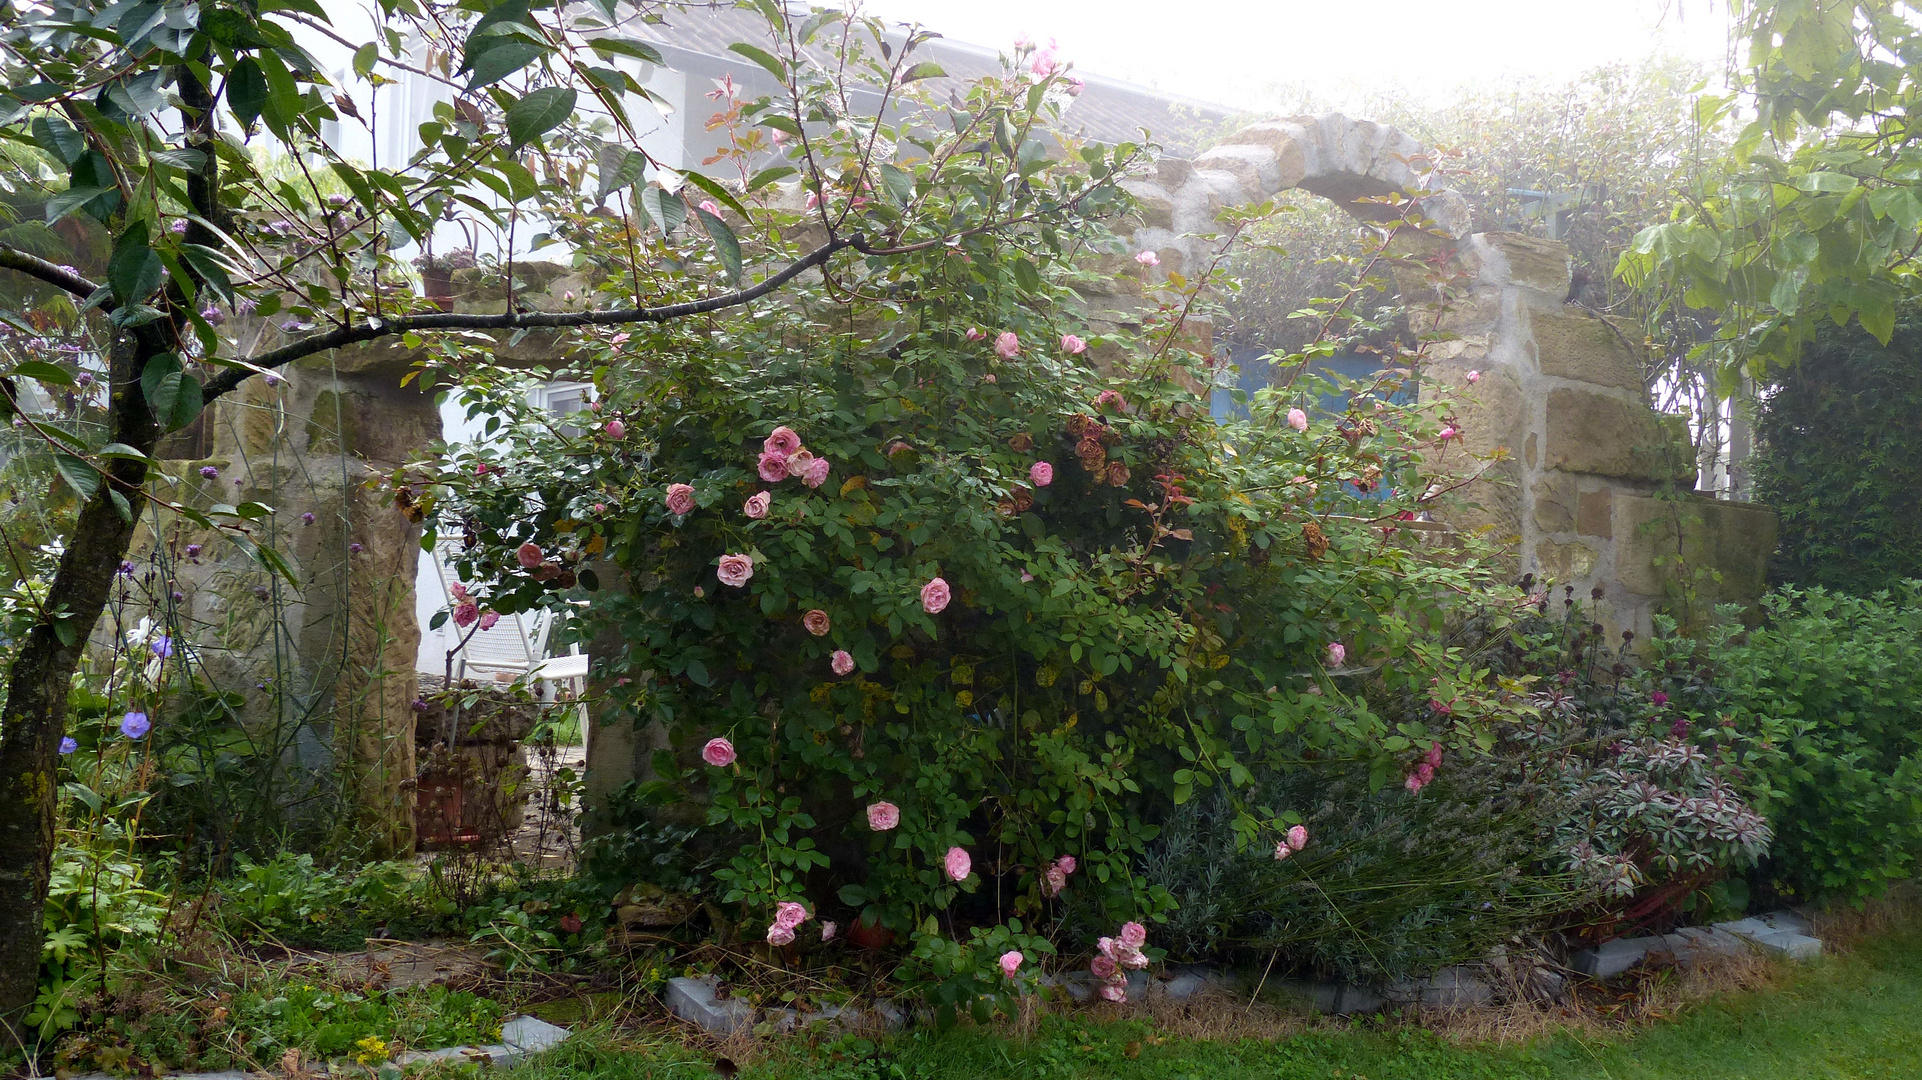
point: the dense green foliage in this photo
(1825, 695)
(1840, 459)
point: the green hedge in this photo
(1841, 460)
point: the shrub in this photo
(1030, 603)
(1840, 459)
(1823, 698)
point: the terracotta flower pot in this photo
(870, 936)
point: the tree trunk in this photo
(34, 719)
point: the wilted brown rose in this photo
(1022, 499)
(1021, 443)
(1117, 474)
(1313, 539)
(1080, 423)
(1091, 454)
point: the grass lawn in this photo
(1856, 1017)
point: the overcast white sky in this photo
(1233, 51)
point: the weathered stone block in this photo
(1564, 563)
(1723, 546)
(1595, 513)
(1534, 263)
(1555, 498)
(1611, 958)
(1573, 344)
(1604, 435)
(1281, 138)
(693, 1000)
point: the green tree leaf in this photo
(134, 270)
(539, 113)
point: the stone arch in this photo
(1576, 455)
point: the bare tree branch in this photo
(64, 277)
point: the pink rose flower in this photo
(1026, 577)
(756, 505)
(1073, 345)
(772, 467)
(1297, 419)
(798, 462)
(735, 570)
(1134, 935)
(815, 474)
(1022, 41)
(789, 914)
(1110, 399)
(1007, 346)
(974, 334)
(1075, 86)
(782, 441)
(841, 662)
(1426, 772)
(1337, 654)
(1011, 962)
(935, 596)
(481, 469)
(718, 753)
(600, 508)
(1298, 837)
(828, 927)
(680, 498)
(1148, 258)
(1042, 473)
(883, 816)
(1434, 755)
(1448, 433)
(958, 864)
(1067, 864)
(615, 429)
(466, 614)
(1043, 64)
(1282, 850)
(1103, 967)
(528, 555)
(817, 622)
(711, 207)
(814, 199)
(780, 936)
(1413, 783)
(1116, 994)
(1056, 881)
(488, 619)
(1474, 376)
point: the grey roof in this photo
(695, 39)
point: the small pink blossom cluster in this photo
(787, 916)
(467, 609)
(1057, 874)
(783, 456)
(1420, 776)
(1295, 840)
(1116, 954)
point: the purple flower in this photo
(134, 725)
(355, 548)
(68, 746)
(193, 551)
(1660, 699)
(272, 379)
(307, 518)
(163, 646)
(420, 705)
(292, 326)
(85, 378)
(126, 568)
(244, 306)
(210, 472)
(178, 226)
(213, 315)
(179, 596)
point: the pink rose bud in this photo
(1298, 837)
(615, 429)
(1474, 376)
(1073, 345)
(828, 927)
(1337, 654)
(1297, 419)
(1007, 346)
(935, 596)
(757, 504)
(958, 864)
(1447, 433)
(1148, 258)
(814, 200)
(718, 753)
(974, 333)
(883, 816)
(711, 207)
(1011, 962)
